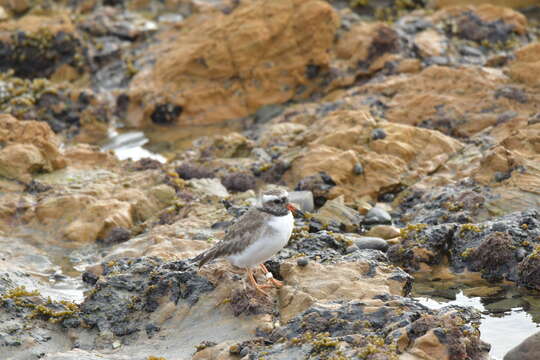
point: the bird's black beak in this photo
(295, 210)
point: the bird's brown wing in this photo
(239, 235)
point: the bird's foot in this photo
(258, 288)
(276, 283)
(270, 277)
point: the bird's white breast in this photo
(275, 236)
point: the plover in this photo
(256, 236)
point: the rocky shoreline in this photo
(408, 132)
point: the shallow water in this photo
(129, 145)
(503, 326)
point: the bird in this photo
(256, 236)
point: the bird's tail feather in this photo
(204, 257)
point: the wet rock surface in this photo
(408, 129)
(495, 248)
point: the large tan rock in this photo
(487, 13)
(516, 4)
(511, 168)
(526, 65)
(431, 99)
(327, 282)
(93, 202)
(227, 66)
(28, 147)
(405, 155)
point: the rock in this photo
(439, 108)
(335, 211)
(319, 185)
(29, 147)
(489, 248)
(525, 64)
(304, 200)
(430, 43)
(40, 45)
(3, 14)
(17, 6)
(365, 48)
(378, 134)
(529, 349)
(376, 215)
(335, 154)
(484, 22)
(238, 182)
(383, 231)
(306, 285)
(366, 242)
(505, 3)
(192, 61)
(358, 169)
(116, 235)
(302, 262)
(188, 171)
(211, 187)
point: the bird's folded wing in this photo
(248, 228)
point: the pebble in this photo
(304, 200)
(470, 51)
(378, 134)
(501, 176)
(303, 261)
(3, 14)
(171, 18)
(384, 231)
(376, 215)
(351, 249)
(358, 169)
(375, 243)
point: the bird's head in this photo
(276, 201)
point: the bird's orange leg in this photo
(253, 282)
(270, 277)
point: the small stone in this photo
(171, 18)
(238, 181)
(304, 200)
(351, 249)
(303, 261)
(116, 344)
(470, 51)
(315, 226)
(378, 134)
(210, 187)
(234, 349)
(358, 169)
(501, 176)
(3, 14)
(244, 352)
(117, 235)
(71, 322)
(384, 231)
(376, 215)
(335, 211)
(375, 243)
(520, 254)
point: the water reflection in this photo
(507, 317)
